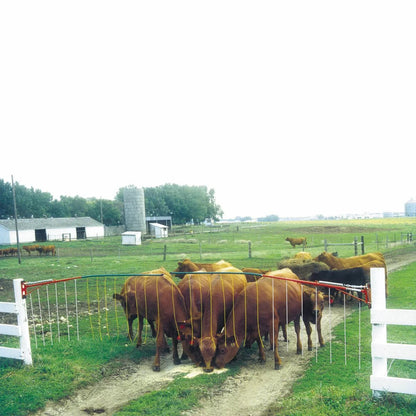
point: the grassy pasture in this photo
(102, 351)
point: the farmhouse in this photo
(44, 229)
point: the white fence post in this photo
(20, 330)
(380, 349)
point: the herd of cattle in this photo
(41, 249)
(216, 308)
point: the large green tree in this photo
(183, 203)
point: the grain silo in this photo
(134, 210)
(410, 208)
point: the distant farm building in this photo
(44, 229)
(158, 230)
(131, 238)
(165, 220)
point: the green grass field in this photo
(62, 365)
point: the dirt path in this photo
(248, 394)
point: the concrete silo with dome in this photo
(410, 208)
(134, 209)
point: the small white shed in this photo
(131, 238)
(158, 230)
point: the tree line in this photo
(183, 203)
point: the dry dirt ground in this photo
(248, 394)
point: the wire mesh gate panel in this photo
(76, 308)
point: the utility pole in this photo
(15, 222)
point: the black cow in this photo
(355, 276)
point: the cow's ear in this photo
(117, 296)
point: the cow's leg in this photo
(298, 341)
(152, 327)
(308, 332)
(319, 329)
(165, 347)
(284, 331)
(176, 359)
(130, 320)
(139, 335)
(277, 360)
(262, 355)
(159, 346)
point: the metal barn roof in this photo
(49, 223)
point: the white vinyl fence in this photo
(381, 350)
(21, 330)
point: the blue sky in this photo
(287, 108)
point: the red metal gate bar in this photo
(40, 283)
(364, 289)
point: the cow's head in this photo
(322, 257)
(227, 349)
(185, 266)
(208, 348)
(313, 305)
(128, 303)
(121, 299)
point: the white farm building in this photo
(44, 229)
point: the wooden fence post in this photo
(355, 246)
(164, 252)
(249, 249)
(362, 245)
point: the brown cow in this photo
(260, 308)
(215, 301)
(366, 261)
(30, 248)
(296, 241)
(127, 300)
(11, 251)
(253, 274)
(46, 250)
(156, 297)
(194, 288)
(188, 266)
(335, 262)
(313, 305)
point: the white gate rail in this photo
(20, 330)
(380, 349)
